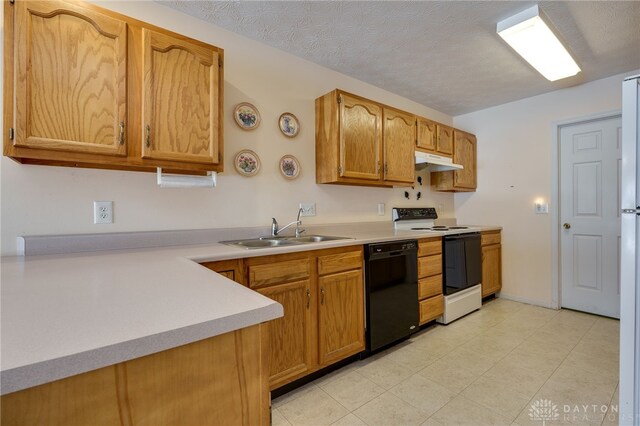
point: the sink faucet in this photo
(275, 230)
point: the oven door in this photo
(462, 262)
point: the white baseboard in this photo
(544, 304)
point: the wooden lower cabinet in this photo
(322, 293)
(220, 380)
(491, 263)
(430, 297)
(291, 336)
(340, 316)
(231, 269)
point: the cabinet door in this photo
(445, 140)
(426, 134)
(180, 106)
(341, 316)
(465, 154)
(491, 269)
(360, 138)
(70, 81)
(290, 336)
(399, 146)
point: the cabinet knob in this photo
(308, 298)
(566, 225)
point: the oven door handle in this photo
(388, 254)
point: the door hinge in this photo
(11, 131)
(219, 62)
(340, 170)
(339, 99)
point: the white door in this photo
(590, 169)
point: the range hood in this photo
(436, 163)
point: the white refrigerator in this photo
(629, 413)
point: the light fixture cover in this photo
(528, 34)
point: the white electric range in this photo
(461, 259)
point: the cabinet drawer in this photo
(430, 286)
(429, 247)
(490, 238)
(431, 308)
(280, 272)
(430, 265)
(339, 262)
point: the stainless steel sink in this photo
(312, 238)
(266, 242)
(259, 243)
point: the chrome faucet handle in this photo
(299, 231)
(274, 227)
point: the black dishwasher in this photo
(391, 292)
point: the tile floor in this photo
(489, 368)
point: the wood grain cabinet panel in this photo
(360, 138)
(217, 381)
(399, 135)
(180, 102)
(429, 286)
(464, 153)
(491, 263)
(429, 247)
(362, 142)
(431, 308)
(87, 87)
(278, 272)
(429, 265)
(340, 316)
(434, 137)
(290, 337)
(231, 269)
(70, 79)
(339, 262)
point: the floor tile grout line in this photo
(610, 403)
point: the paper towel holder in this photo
(186, 181)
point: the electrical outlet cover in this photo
(102, 212)
(308, 209)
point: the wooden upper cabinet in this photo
(464, 153)
(434, 137)
(180, 102)
(87, 87)
(355, 136)
(445, 140)
(360, 138)
(70, 79)
(399, 146)
(427, 135)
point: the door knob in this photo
(566, 225)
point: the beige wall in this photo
(40, 200)
(515, 168)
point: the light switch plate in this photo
(541, 208)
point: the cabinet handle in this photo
(121, 138)
(148, 135)
(308, 298)
(386, 168)
(322, 295)
(378, 169)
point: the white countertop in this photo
(63, 315)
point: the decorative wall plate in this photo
(289, 167)
(247, 162)
(246, 116)
(289, 125)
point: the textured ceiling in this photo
(442, 54)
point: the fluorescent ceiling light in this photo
(528, 34)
